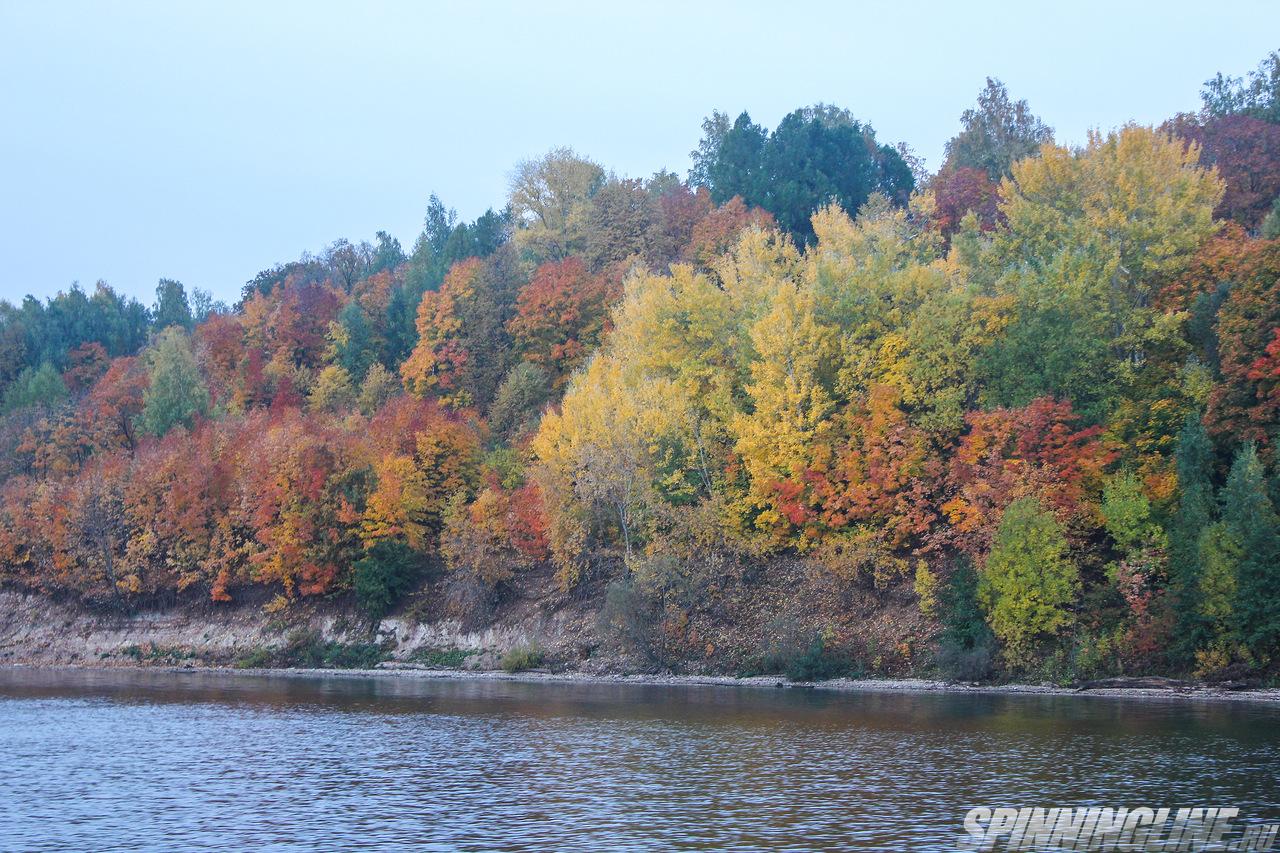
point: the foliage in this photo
(382, 577)
(1028, 582)
(522, 658)
(817, 155)
(176, 394)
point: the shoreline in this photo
(839, 685)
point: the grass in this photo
(523, 658)
(442, 658)
(306, 650)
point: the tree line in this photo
(1040, 388)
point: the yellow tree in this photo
(790, 397)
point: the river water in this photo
(152, 760)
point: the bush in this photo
(523, 658)
(306, 650)
(816, 659)
(383, 576)
(974, 663)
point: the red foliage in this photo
(1246, 152)
(85, 364)
(1246, 405)
(560, 314)
(716, 233)
(1012, 453)
(959, 191)
(884, 472)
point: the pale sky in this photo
(206, 141)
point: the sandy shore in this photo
(840, 685)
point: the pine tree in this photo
(1250, 518)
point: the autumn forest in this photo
(1035, 395)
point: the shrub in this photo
(523, 658)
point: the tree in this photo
(550, 200)
(965, 644)
(996, 134)
(171, 308)
(332, 391)
(383, 575)
(1257, 96)
(520, 398)
(352, 340)
(1245, 405)
(816, 156)
(1246, 153)
(560, 316)
(1091, 234)
(1186, 528)
(1028, 583)
(1251, 521)
(379, 386)
(42, 386)
(176, 394)
(621, 223)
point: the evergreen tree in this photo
(1251, 519)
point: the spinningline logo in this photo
(1105, 828)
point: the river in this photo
(158, 760)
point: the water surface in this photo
(138, 760)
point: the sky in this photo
(207, 141)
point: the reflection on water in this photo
(181, 761)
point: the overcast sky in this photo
(208, 141)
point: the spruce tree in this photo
(1250, 517)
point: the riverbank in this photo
(1190, 693)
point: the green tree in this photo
(550, 200)
(172, 308)
(353, 343)
(1251, 520)
(965, 644)
(1028, 582)
(332, 391)
(379, 386)
(177, 394)
(38, 386)
(388, 570)
(996, 134)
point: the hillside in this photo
(812, 410)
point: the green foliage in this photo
(388, 571)
(305, 649)
(176, 395)
(817, 155)
(1195, 513)
(1028, 582)
(172, 308)
(966, 646)
(519, 399)
(452, 658)
(996, 134)
(1126, 511)
(523, 658)
(41, 386)
(1251, 521)
(1270, 229)
(1257, 96)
